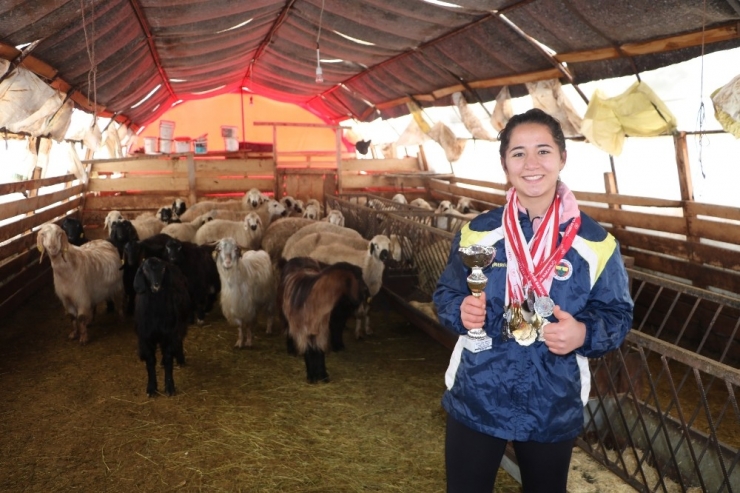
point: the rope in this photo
(92, 74)
(701, 115)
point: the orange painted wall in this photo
(201, 116)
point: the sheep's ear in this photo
(141, 285)
(372, 248)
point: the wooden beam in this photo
(507, 80)
(696, 38)
(24, 186)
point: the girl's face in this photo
(532, 164)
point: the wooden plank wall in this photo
(139, 184)
(696, 242)
(26, 206)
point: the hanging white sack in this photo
(93, 137)
(111, 142)
(22, 93)
(503, 111)
(452, 146)
(471, 122)
(548, 96)
(58, 123)
(726, 101)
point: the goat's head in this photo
(336, 217)
(226, 253)
(131, 254)
(252, 221)
(465, 205)
(443, 207)
(73, 228)
(380, 247)
(150, 276)
(174, 251)
(53, 240)
(122, 232)
(276, 209)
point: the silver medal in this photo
(544, 306)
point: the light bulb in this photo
(319, 75)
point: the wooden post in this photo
(687, 194)
(276, 188)
(338, 137)
(192, 182)
(610, 187)
(423, 165)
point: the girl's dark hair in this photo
(535, 115)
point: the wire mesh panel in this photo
(663, 410)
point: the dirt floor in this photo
(78, 418)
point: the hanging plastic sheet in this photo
(469, 119)
(548, 96)
(726, 101)
(637, 112)
(22, 95)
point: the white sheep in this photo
(244, 204)
(318, 205)
(278, 233)
(186, 231)
(309, 242)
(247, 287)
(83, 276)
(268, 212)
(318, 227)
(311, 211)
(147, 227)
(335, 217)
(399, 198)
(247, 233)
(465, 205)
(422, 204)
(442, 219)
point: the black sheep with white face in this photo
(162, 310)
(179, 207)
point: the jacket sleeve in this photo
(452, 288)
(608, 311)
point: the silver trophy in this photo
(477, 257)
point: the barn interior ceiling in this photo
(134, 59)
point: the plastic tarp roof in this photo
(377, 54)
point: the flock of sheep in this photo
(285, 259)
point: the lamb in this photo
(308, 302)
(74, 231)
(196, 263)
(162, 308)
(83, 276)
(247, 286)
(319, 227)
(246, 233)
(186, 231)
(275, 236)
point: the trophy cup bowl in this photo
(477, 257)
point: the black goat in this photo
(121, 232)
(162, 310)
(134, 253)
(74, 230)
(196, 262)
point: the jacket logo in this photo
(563, 270)
(498, 264)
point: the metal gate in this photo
(663, 412)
